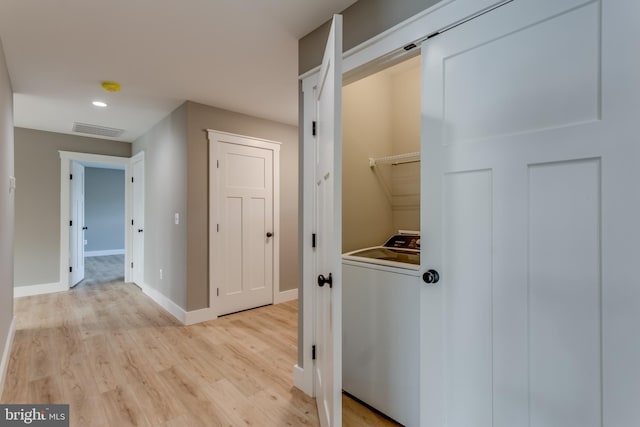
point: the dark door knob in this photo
(431, 276)
(140, 230)
(324, 280)
(85, 228)
(269, 234)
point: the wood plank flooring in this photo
(120, 360)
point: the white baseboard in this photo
(198, 316)
(299, 380)
(203, 314)
(174, 309)
(47, 288)
(285, 296)
(107, 252)
(6, 354)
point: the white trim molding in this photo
(107, 252)
(159, 298)
(88, 160)
(299, 380)
(198, 316)
(284, 296)
(46, 288)
(6, 354)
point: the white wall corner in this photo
(199, 316)
(174, 309)
(284, 296)
(47, 288)
(6, 354)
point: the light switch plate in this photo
(177, 218)
(12, 183)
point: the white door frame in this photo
(214, 137)
(131, 226)
(65, 169)
(386, 47)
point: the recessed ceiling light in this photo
(99, 104)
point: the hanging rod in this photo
(395, 160)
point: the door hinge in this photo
(313, 352)
(131, 222)
(313, 240)
(70, 176)
(217, 292)
(217, 163)
(70, 223)
(218, 228)
(313, 128)
(131, 179)
(132, 265)
(70, 269)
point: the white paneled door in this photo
(530, 215)
(328, 261)
(76, 240)
(137, 222)
(243, 225)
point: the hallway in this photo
(120, 360)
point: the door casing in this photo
(216, 137)
(66, 157)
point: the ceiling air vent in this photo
(97, 130)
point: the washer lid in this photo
(407, 256)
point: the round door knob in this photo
(140, 230)
(324, 280)
(269, 234)
(431, 276)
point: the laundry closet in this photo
(381, 137)
(380, 155)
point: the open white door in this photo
(137, 222)
(531, 214)
(328, 298)
(76, 240)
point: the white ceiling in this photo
(239, 55)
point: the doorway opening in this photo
(381, 138)
(103, 229)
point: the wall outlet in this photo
(85, 242)
(12, 183)
(160, 274)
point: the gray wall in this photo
(201, 117)
(165, 244)
(367, 131)
(177, 180)
(6, 204)
(104, 209)
(361, 21)
(37, 225)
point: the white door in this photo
(137, 223)
(531, 214)
(76, 240)
(244, 228)
(328, 298)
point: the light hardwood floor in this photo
(119, 360)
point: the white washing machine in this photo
(381, 327)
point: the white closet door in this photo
(531, 216)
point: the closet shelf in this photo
(398, 159)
